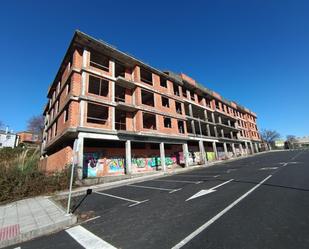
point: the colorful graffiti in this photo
(93, 166)
(211, 156)
(97, 165)
(152, 162)
(115, 164)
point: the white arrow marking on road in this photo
(207, 191)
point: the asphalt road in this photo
(256, 202)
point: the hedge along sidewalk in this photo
(30, 218)
(131, 179)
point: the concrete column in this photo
(229, 122)
(231, 134)
(246, 144)
(256, 148)
(233, 148)
(112, 62)
(206, 115)
(185, 154)
(113, 118)
(128, 157)
(190, 110)
(202, 151)
(215, 130)
(251, 146)
(241, 149)
(213, 117)
(208, 130)
(85, 57)
(193, 127)
(113, 91)
(222, 133)
(80, 156)
(225, 149)
(220, 120)
(162, 156)
(214, 147)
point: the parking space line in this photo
(217, 216)
(170, 190)
(87, 239)
(197, 176)
(122, 198)
(194, 182)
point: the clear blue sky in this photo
(253, 52)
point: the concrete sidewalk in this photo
(29, 218)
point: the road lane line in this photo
(197, 176)
(217, 216)
(222, 184)
(195, 182)
(156, 188)
(87, 239)
(121, 198)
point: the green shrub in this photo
(20, 176)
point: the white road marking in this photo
(217, 216)
(121, 198)
(148, 187)
(268, 168)
(91, 219)
(195, 182)
(207, 191)
(87, 239)
(230, 170)
(196, 176)
(17, 247)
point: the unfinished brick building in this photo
(113, 114)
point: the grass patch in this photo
(20, 176)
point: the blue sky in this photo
(253, 52)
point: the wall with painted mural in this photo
(96, 164)
(144, 163)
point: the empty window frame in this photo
(66, 114)
(68, 86)
(120, 120)
(178, 107)
(98, 86)
(176, 89)
(163, 82)
(97, 114)
(167, 122)
(165, 102)
(184, 92)
(120, 94)
(146, 76)
(181, 128)
(120, 70)
(149, 121)
(99, 61)
(192, 95)
(208, 103)
(147, 98)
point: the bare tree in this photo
(36, 125)
(269, 136)
(290, 141)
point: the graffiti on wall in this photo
(115, 164)
(152, 162)
(93, 166)
(96, 164)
